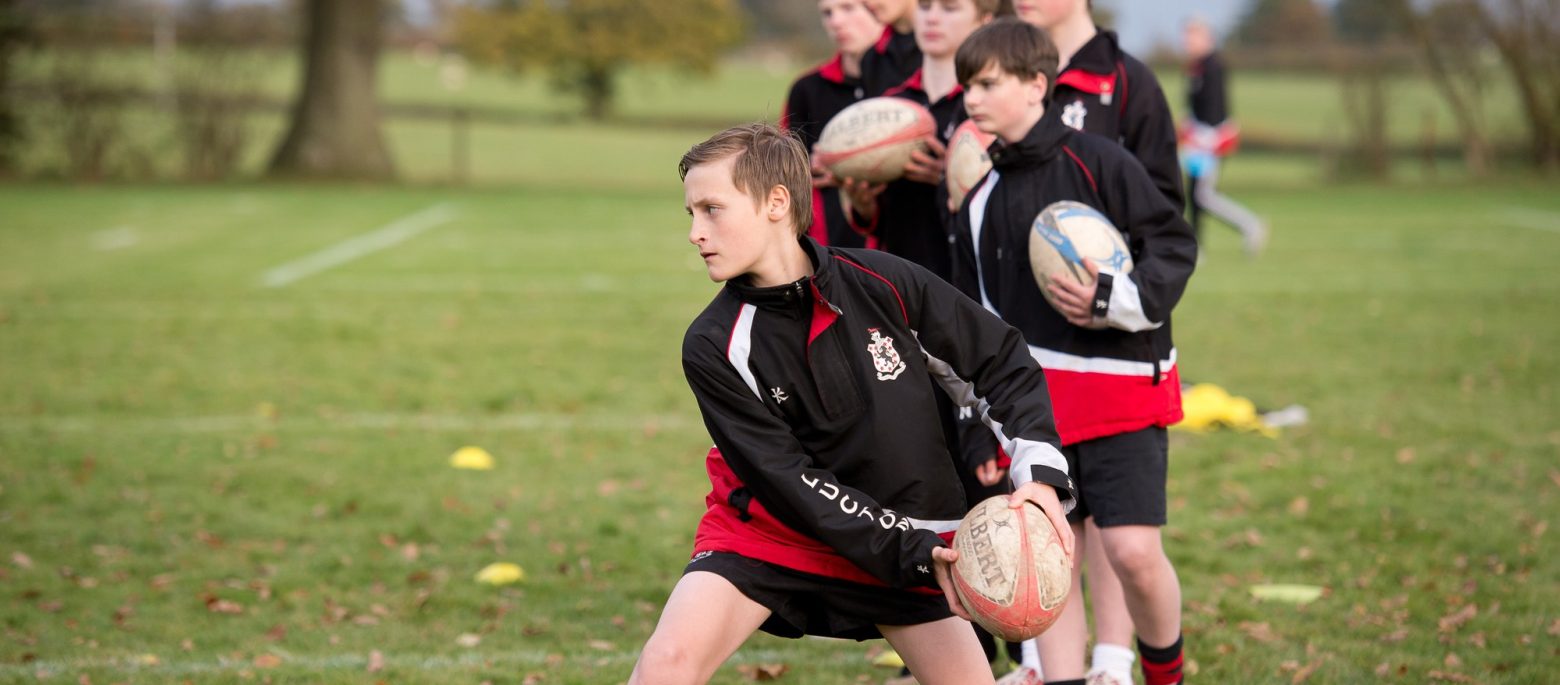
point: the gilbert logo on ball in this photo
(1012, 574)
(1064, 234)
(968, 160)
(872, 139)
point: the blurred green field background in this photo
(204, 479)
(541, 137)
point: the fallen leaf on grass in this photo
(1395, 636)
(602, 645)
(22, 561)
(1451, 677)
(267, 661)
(1300, 506)
(376, 661)
(763, 672)
(468, 640)
(1451, 622)
(1305, 672)
(276, 633)
(1405, 455)
(1452, 661)
(533, 679)
(217, 605)
(1261, 632)
(1554, 627)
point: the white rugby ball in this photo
(1012, 574)
(872, 139)
(968, 160)
(1067, 232)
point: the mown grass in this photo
(175, 437)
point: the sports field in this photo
(227, 412)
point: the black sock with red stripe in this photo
(1161, 665)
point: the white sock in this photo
(1113, 658)
(1031, 655)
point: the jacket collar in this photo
(915, 84)
(1098, 56)
(833, 70)
(1037, 147)
(796, 295)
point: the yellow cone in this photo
(889, 659)
(474, 458)
(501, 573)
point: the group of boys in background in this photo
(1075, 118)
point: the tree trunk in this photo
(1476, 150)
(596, 84)
(1518, 53)
(335, 122)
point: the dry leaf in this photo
(1405, 455)
(1395, 636)
(22, 561)
(602, 645)
(533, 679)
(376, 661)
(217, 605)
(1383, 669)
(1450, 677)
(1300, 506)
(1554, 627)
(267, 661)
(276, 633)
(1261, 632)
(468, 640)
(1304, 673)
(763, 672)
(1451, 622)
(1452, 661)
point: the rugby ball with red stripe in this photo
(968, 160)
(872, 139)
(1012, 574)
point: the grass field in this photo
(205, 479)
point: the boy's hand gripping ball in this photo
(1012, 574)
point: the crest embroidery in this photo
(1074, 114)
(884, 357)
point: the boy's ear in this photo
(1038, 88)
(778, 206)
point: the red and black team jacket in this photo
(814, 99)
(829, 455)
(890, 62)
(1103, 382)
(1107, 92)
(912, 218)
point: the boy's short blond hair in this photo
(1015, 46)
(765, 157)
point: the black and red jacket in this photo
(892, 60)
(1103, 382)
(912, 218)
(1107, 92)
(814, 99)
(829, 455)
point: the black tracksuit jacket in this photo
(1103, 382)
(1107, 92)
(912, 218)
(814, 99)
(819, 396)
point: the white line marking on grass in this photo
(387, 236)
(1536, 219)
(521, 422)
(116, 238)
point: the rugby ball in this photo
(1012, 574)
(968, 160)
(1067, 232)
(872, 139)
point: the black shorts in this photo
(1121, 478)
(807, 604)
